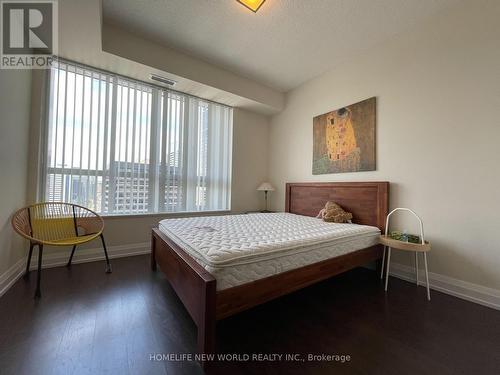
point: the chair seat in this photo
(69, 241)
(57, 224)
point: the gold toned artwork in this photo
(344, 139)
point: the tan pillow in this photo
(333, 213)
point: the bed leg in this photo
(206, 326)
(153, 259)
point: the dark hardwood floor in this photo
(89, 322)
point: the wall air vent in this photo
(162, 80)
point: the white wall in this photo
(250, 160)
(438, 133)
(15, 99)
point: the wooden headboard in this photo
(367, 201)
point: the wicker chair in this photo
(57, 224)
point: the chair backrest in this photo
(54, 221)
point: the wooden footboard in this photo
(195, 286)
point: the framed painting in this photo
(344, 139)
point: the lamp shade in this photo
(266, 186)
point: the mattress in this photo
(237, 249)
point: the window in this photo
(120, 146)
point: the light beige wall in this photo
(15, 98)
(250, 160)
(438, 133)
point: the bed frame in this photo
(196, 287)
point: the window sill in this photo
(164, 214)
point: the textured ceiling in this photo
(285, 44)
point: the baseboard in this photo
(9, 277)
(60, 258)
(468, 291)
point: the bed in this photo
(221, 265)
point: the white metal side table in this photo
(390, 243)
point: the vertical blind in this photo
(120, 146)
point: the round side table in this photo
(389, 243)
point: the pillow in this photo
(333, 213)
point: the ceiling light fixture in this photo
(253, 5)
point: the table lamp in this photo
(265, 187)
